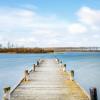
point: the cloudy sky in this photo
(50, 23)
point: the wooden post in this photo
(72, 75)
(26, 75)
(57, 60)
(34, 67)
(38, 63)
(60, 61)
(93, 93)
(64, 67)
(6, 93)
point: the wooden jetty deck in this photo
(48, 82)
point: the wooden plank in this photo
(48, 82)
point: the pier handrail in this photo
(85, 92)
(19, 82)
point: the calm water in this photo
(86, 66)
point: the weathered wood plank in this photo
(48, 82)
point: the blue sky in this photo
(47, 23)
(63, 8)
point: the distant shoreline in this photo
(25, 50)
(45, 50)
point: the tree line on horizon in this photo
(26, 50)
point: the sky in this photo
(50, 23)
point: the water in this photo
(86, 66)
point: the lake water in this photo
(86, 66)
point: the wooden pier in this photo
(48, 82)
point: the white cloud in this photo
(29, 28)
(89, 16)
(97, 36)
(76, 28)
(26, 27)
(0, 38)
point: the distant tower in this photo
(0, 45)
(8, 45)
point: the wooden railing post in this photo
(57, 60)
(60, 61)
(38, 63)
(93, 93)
(26, 74)
(72, 75)
(64, 67)
(34, 67)
(6, 95)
